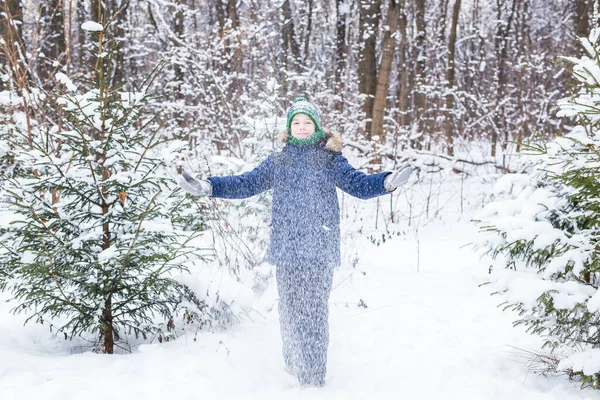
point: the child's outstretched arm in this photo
(245, 185)
(363, 186)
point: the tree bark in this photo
(82, 16)
(340, 47)
(118, 11)
(388, 44)
(501, 44)
(441, 31)
(14, 12)
(370, 11)
(220, 13)
(178, 70)
(403, 91)
(53, 44)
(107, 327)
(103, 11)
(308, 33)
(450, 76)
(290, 44)
(12, 34)
(237, 53)
(420, 65)
(178, 29)
(582, 19)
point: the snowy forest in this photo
(494, 104)
(433, 76)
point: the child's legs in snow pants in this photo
(303, 315)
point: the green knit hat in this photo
(303, 106)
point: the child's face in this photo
(302, 126)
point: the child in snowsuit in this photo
(305, 227)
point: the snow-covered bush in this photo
(543, 230)
(15, 130)
(94, 230)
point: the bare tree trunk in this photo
(97, 14)
(220, 13)
(524, 44)
(179, 31)
(68, 32)
(82, 16)
(14, 12)
(11, 31)
(308, 32)
(229, 23)
(237, 53)
(403, 91)
(103, 11)
(450, 75)
(441, 31)
(501, 44)
(118, 11)
(98, 11)
(107, 327)
(290, 44)
(370, 11)
(13, 59)
(340, 48)
(388, 44)
(53, 44)
(582, 19)
(421, 56)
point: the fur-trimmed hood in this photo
(333, 141)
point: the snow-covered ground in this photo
(428, 331)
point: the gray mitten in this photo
(194, 186)
(397, 178)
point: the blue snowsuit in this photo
(305, 239)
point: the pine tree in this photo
(98, 230)
(544, 228)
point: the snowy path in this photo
(428, 335)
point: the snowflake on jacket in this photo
(305, 220)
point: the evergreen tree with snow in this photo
(544, 229)
(95, 230)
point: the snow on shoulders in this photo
(92, 26)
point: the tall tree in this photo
(115, 11)
(53, 42)
(291, 46)
(501, 46)
(11, 33)
(340, 44)
(420, 66)
(582, 18)
(403, 90)
(82, 15)
(370, 11)
(562, 263)
(179, 30)
(105, 259)
(450, 76)
(308, 31)
(388, 45)
(118, 13)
